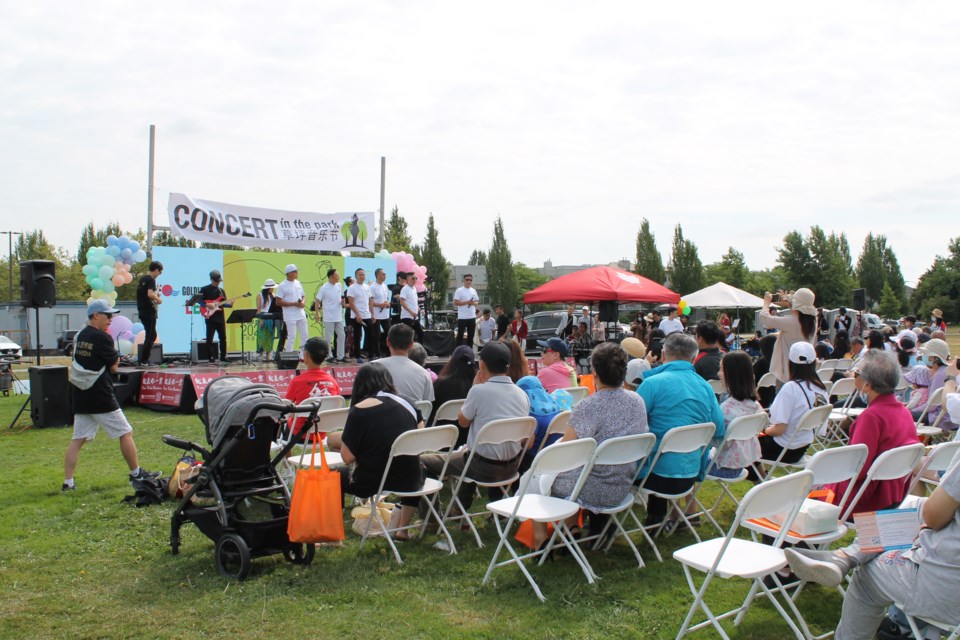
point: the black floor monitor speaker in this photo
(288, 359)
(201, 352)
(38, 283)
(860, 299)
(50, 396)
(156, 354)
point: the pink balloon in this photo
(118, 280)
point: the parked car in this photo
(871, 322)
(65, 342)
(10, 350)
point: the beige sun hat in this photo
(633, 347)
(936, 348)
(937, 314)
(803, 301)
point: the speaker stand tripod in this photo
(26, 402)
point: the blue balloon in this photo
(111, 240)
(134, 246)
(126, 254)
(140, 256)
(113, 250)
(137, 328)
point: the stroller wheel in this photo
(300, 553)
(232, 556)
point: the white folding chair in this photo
(830, 363)
(326, 422)
(632, 449)
(831, 433)
(578, 393)
(731, 557)
(892, 464)
(692, 438)
(558, 424)
(945, 627)
(507, 430)
(718, 387)
(825, 374)
(426, 408)
(811, 420)
(937, 460)
(767, 380)
(935, 401)
(844, 364)
(563, 456)
(413, 443)
(828, 466)
(448, 411)
(739, 430)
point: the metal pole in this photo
(383, 183)
(153, 132)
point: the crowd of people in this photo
(655, 380)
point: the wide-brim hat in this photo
(633, 347)
(937, 313)
(269, 284)
(918, 375)
(936, 348)
(803, 302)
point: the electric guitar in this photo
(210, 307)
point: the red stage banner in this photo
(344, 377)
(279, 379)
(158, 387)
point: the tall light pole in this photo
(10, 235)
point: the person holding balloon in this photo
(148, 301)
(671, 324)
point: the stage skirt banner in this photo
(231, 224)
(279, 379)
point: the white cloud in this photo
(741, 121)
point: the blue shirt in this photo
(677, 396)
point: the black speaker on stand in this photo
(859, 299)
(38, 288)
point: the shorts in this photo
(114, 423)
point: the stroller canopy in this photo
(228, 401)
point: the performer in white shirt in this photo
(289, 296)
(330, 297)
(465, 299)
(410, 306)
(358, 298)
(671, 324)
(380, 303)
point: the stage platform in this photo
(176, 388)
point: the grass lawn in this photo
(85, 565)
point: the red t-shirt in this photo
(312, 383)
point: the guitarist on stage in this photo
(148, 301)
(215, 319)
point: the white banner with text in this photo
(231, 224)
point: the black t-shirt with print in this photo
(212, 292)
(95, 350)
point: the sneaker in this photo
(144, 474)
(67, 487)
(331, 360)
(669, 527)
(442, 545)
(890, 630)
(821, 567)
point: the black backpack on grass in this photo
(148, 491)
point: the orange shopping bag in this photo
(316, 514)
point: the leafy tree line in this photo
(818, 260)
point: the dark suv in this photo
(65, 342)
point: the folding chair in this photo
(831, 433)
(326, 422)
(413, 443)
(937, 460)
(944, 627)
(559, 425)
(687, 439)
(425, 407)
(578, 393)
(632, 449)
(448, 411)
(830, 363)
(811, 420)
(844, 364)
(825, 374)
(730, 557)
(828, 467)
(767, 380)
(739, 430)
(718, 387)
(892, 464)
(517, 430)
(563, 456)
(933, 402)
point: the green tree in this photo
(438, 269)
(90, 236)
(649, 262)
(831, 280)
(686, 270)
(794, 259)
(396, 236)
(732, 269)
(889, 303)
(939, 286)
(501, 277)
(870, 271)
(166, 239)
(33, 245)
(528, 278)
(894, 276)
(477, 257)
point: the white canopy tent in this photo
(722, 296)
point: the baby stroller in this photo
(237, 499)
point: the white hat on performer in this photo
(290, 269)
(269, 284)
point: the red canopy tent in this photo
(598, 284)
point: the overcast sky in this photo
(571, 120)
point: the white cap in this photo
(802, 353)
(290, 269)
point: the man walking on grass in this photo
(94, 402)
